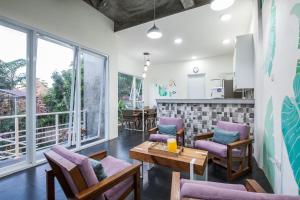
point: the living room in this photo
(149, 99)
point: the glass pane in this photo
(13, 47)
(139, 92)
(125, 90)
(53, 93)
(93, 84)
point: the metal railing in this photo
(53, 131)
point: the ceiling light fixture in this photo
(225, 17)
(145, 68)
(226, 41)
(144, 75)
(194, 57)
(218, 5)
(146, 63)
(154, 32)
(178, 41)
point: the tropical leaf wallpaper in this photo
(268, 144)
(272, 41)
(290, 122)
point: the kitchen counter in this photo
(210, 101)
(202, 115)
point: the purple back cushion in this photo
(205, 192)
(64, 162)
(81, 161)
(171, 121)
(243, 129)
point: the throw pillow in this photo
(225, 137)
(167, 129)
(98, 169)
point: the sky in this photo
(50, 56)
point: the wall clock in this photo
(195, 70)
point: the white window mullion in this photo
(77, 109)
(71, 127)
(31, 97)
(134, 92)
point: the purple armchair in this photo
(156, 136)
(183, 189)
(231, 154)
(78, 179)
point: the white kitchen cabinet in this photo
(243, 63)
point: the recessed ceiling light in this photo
(218, 5)
(194, 57)
(225, 17)
(178, 41)
(226, 41)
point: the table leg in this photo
(141, 168)
(194, 176)
(206, 172)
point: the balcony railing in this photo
(56, 131)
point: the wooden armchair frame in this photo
(180, 133)
(85, 192)
(243, 145)
(250, 185)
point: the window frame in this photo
(133, 89)
(32, 35)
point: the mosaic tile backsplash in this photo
(201, 117)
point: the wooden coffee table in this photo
(190, 160)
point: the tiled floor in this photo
(30, 184)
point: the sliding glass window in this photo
(54, 71)
(93, 84)
(130, 91)
(13, 54)
(58, 98)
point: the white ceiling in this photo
(200, 28)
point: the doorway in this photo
(196, 86)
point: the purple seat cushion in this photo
(205, 192)
(159, 137)
(239, 187)
(216, 148)
(171, 121)
(112, 166)
(243, 129)
(81, 161)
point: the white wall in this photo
(76, 21)
(277, 85)
(130, 66)
(179, 71)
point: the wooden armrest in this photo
(240, 143)
(175, 188)
(153, 130)
(252, 186)
(203, 136)
(104, 185)
(99, 155)
(180, 132)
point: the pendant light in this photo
(154, 32)
(146, 63)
